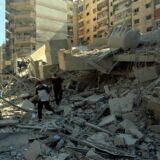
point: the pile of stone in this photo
(114, 121)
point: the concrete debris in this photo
(100, 117)
(107, 120)
(123, 104)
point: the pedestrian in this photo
(57, 88)
(42, 90)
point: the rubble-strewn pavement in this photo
(117, 120)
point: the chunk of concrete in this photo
(109, 91)
(128, 139)
(123, 104)
(34, 151)
(107, 120)
(27, 105)
(145, 74)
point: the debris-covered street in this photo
(110, 120)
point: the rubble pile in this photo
(118, 120)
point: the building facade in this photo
(157, 13)
(30, 23)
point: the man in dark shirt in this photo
(42, 91)
(57, 88)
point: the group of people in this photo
(44, 92)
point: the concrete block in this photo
(123, 104)
(145, 74)
(107, 120)
(28, 105)
(34, 151)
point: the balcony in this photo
(27, 15)
(102, 4)
(19, 28)
(20, 4)
(24, 40)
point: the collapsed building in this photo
(110, 107)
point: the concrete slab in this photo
(28, 105)
(107, 120)
(145, 74)
(34, 151)
(123, 104)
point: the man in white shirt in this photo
(42, 91)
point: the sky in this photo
(2, 21)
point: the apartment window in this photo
(149, 29)
(135, 0)
(87, 22)
(88, 38)
(111, 13)
(94, 19)
(95, 36)
(94, 10)
(136, 21)
(87, 13)
(149, 17)
(148, 5)
(87, 6)
(111, 23)
(136, 11)
(94, 1)
(87, 31)
(111, 4)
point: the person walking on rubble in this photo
(42, 90)
(57, 88)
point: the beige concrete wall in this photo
(141, 15)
